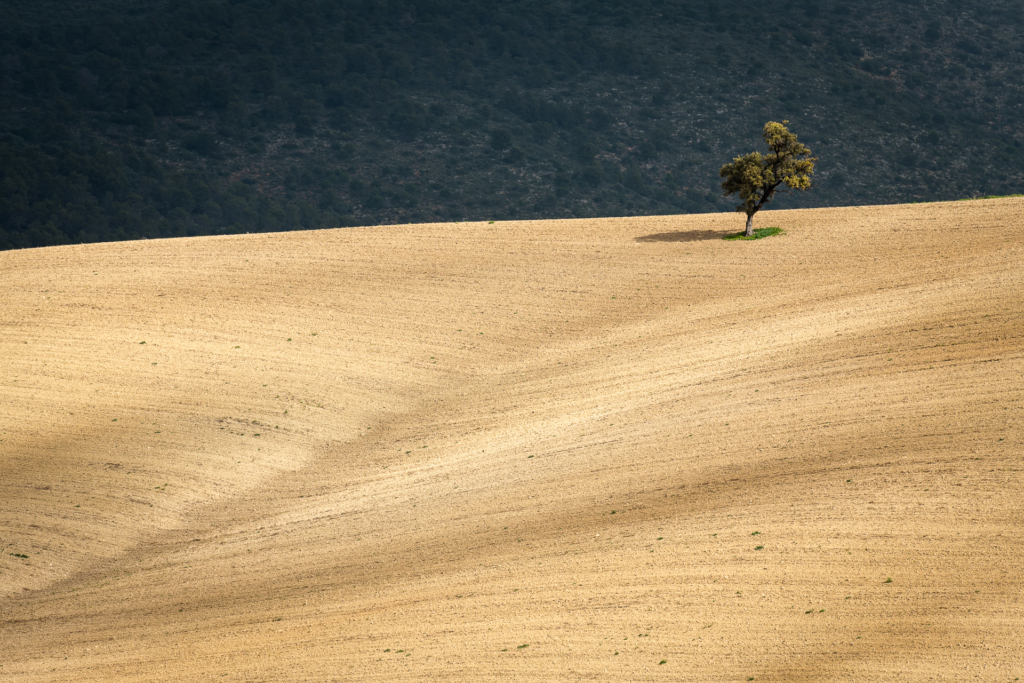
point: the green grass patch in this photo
(759, 233)
(991, 196)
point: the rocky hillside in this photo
(121, 120)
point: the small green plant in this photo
(759, 233)
(21, 555)
(759, 547)
(520, 647)
(664, 661)
(888, 580)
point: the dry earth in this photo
(611, 450)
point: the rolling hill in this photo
(602, 449)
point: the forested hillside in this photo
(122, 119)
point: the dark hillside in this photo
(123, 119)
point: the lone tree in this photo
(757, 178)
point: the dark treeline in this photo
(124, 120)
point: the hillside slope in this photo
(122, 120)
(608, 449)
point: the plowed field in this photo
(610, 450)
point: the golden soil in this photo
(612, 450)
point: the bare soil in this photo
(615, 450)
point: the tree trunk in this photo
(750, 226)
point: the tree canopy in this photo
(756, 178)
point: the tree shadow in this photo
(685, 236)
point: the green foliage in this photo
(756, 178)
(501, 139)
(90, 194)
(758, 233)
(408, 118)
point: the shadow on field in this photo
(684, 236)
